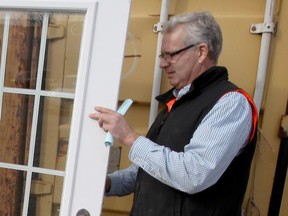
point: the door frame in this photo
(98, 79)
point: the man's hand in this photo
(116, 124)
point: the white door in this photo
(58, 60)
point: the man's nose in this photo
(164, 63)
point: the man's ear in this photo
(203, 52)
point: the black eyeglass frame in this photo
(168, 57)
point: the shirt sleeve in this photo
(123, 181)
(221, 135)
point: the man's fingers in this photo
(103, 110)
(100, 111)
(94, 116)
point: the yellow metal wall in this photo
(240, 56)
(273, 107)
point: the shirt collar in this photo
(178, 93)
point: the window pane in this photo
(35, 126)
(11, 191)
(62, 52)
(15, 128)
(59, 66)
(53, 132)
(45, 195)
(23, 42)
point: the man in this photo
(196, 157)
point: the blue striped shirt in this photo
(223, 132)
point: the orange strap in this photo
(170, 103)
(254, 112)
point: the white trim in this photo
(45, 5)
(35, 117)
(102, 89)
(32, 169)
(4, 56)
(39, 92)
(77, 115)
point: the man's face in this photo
(184, 67)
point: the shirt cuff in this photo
(114, 185)
(139, 150)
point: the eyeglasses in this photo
(168, 57)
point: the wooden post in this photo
(14, 113)
(281, 169)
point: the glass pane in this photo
(45, 195)
(60, 65)
(63, 44)
(2, 18)
(53, 132)
(35, 126)
(11, 191)
(15, 128)
(23, 48)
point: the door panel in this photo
(53, 55)
(31, 119)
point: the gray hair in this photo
(201, 27)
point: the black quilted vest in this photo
(174, 129)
